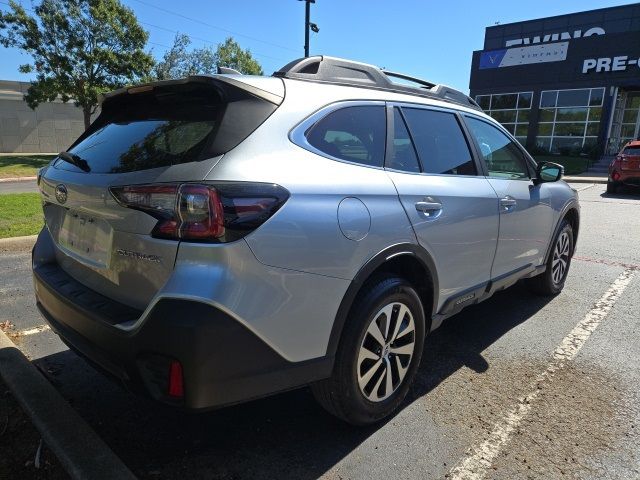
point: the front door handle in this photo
(429, 207)
(508, 204)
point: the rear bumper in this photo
(626, 177)
(631, 179)
(223, 362)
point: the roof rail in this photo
(340, 71)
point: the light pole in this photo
(308, 25)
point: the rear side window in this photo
(403, 156)
(168, 125)
(632, 151)
(440, 142)
(355, 134)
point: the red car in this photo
(625, 168)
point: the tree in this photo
(80, 49)
(230, 54)
(180, 62)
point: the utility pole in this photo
(308, 25)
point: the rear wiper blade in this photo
(76, 160)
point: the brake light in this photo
(203, 212)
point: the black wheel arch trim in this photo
(389, 253)
(571, 205)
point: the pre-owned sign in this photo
(609, 64)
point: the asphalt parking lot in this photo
(516, 387)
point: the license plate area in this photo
(86, 237)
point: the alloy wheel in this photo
(386, 352)
(560, 258)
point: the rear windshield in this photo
(167, 126)
(632, 151)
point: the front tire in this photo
(551, 282)
(378, 355)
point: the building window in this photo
(569, 120)
(630, 118)
(510, 109)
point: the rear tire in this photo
(551, 281)
(612, 187)
(378, 355)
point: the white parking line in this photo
(480, 457)
(33, 331)
(581, 188)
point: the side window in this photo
(502, 156)
(356, 134)
(403, 157)
(440, 142)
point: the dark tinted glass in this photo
(632, 151)
(500, 102)
(403, 156)
(504, 116)
(484, 101)
(441, 145)
(524, 100)
(502, 156)
(597, 94)
(573, 98)
(138, 145)
(548, 99)
(168, 125)
(149, 132)
(355, 134)
(571, 114)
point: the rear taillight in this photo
(201, 212)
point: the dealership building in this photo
(564, 84)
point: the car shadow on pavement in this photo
(284, 436)
(623, 193)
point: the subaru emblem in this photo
(61, 193)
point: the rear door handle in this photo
(508, 204)
(429, 207)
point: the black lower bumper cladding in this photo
(223, 362)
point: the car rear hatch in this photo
(630, 161)
(157, 136)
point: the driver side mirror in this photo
(548, 172)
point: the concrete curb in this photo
(570, 179)
(18, 179)
(81, 452)
(17, 244)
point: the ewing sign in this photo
(609, 64)
(554, 37)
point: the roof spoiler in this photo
(206, 79)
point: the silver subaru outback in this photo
(220, 238)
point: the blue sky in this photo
(429, 39)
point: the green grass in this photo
(22, 166)
(572, 165)
(20, 214)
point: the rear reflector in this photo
(202, 212)
(176, 382)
